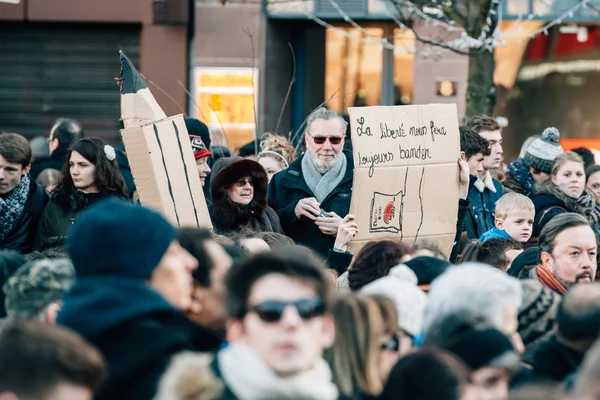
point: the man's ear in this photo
(52, 312)
(463, 156)
(26, 169)
(328, 334)
(545, 258)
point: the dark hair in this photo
(15, 148)
(483, 123)
(471, 143)
(375, 261)
(586, 155)
(10, 261)
(194, 240)
(578, 315)
(67, 131)
(493, 252)
(275, 240)
(108, 179)
(411, 377)
(291, 262)
(43, 356)
(590, 171)
(554, 227)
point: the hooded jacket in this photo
(136, 330)
(21, 237)
(227, 216)
(288, 187)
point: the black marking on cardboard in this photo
(187, 176)
(421, 202)
(131, 81)
(162, 155)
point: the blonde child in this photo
(514, 219)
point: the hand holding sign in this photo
(347, 230)
(463, 190)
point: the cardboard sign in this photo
(406, 176)
(160, 154)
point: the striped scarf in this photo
(549, 280)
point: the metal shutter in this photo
(56, 70)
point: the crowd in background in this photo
(103, 298)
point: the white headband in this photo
(277, 154)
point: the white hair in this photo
(475, 293)
(323, 113)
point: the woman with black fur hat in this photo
(239, 197)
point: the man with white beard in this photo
(313, 195)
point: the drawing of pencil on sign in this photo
(160, 154)
(406, 176)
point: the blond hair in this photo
(354, 357)
(512, 201)
(277, 147)
(564, 158)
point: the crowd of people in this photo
(103, 298)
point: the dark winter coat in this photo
(288, 187)
(463, 210)
(56, 221)
(482, 211)
(125, 171)
(22, 236)
(56, 161)
(136, 331)
(518, 179)
(549, 202)
(227, 216)
(554, 361)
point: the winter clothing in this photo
(400, 285)
(549, 280)
(198, 128)
(523, 263)
(339, 260)
(57, 160)
(483, 196)
(463, 210)
(322, 185)
(228, 216)
(20, 213)
(56, 221)
(555, 361)
(427, 269)
(238, 372)
(551, 201)
(115, 248)
(518, 179)
(494, 233)
(537, 314)
(198, 147)
(288, 187)
(125, 170)
(541, 152)
(122, 229)
(134, 328)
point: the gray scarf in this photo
(250, 378)
(11, 208)
(322, 185)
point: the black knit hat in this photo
(198, 128)
(541, 152)
(427, 269)
(527, 258)
(485, 348)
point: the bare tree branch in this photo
(287, 96)
(165, 93)
(249, 34)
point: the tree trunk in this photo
(481, 91)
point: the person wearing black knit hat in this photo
(427, 269)
(133, 285)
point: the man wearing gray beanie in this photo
(534, 169)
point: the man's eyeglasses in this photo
(322, 139)
(392, 344)
(271, 310)
(242, 182)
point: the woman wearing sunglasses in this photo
(239, 197)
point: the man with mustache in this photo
(313, 195)
(567, 253)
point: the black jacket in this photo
(288, 187)
(22, 237)
(57, 161)
(554, 361)
(227, 216)
(136, 331)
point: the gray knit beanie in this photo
(542, 152)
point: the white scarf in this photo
(250, 378)
(487, 182)
(322, 185)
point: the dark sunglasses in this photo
(322, 139)
(242, 182)
(392, 344)
(272, 310)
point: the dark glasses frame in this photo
(242, 182)
(334, 140)
(271, 311)
(392, 344)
